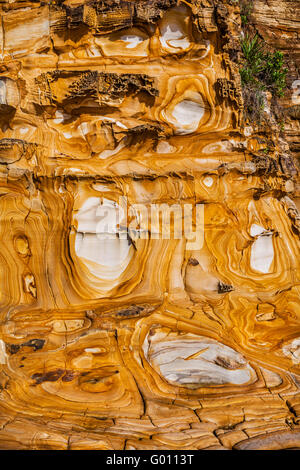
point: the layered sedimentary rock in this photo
(278, 25)
(143, 340)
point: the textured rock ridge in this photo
(146, 342)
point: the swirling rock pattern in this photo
(142, 343)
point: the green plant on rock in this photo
(274, 72)
(262, 67)
(246, 7)
(253, 55)
(282, 125)
(261, 70)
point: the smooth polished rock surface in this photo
(118, 329)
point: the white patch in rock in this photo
(172, 29)
(256, 230)
(292, 350)
(3, 355)
(23, 130)
(131, 40)
(186, 115)
(110, 153)
(94, 52)
(60, 117)
(84, 127)
(164, 147)
(248, 131)
(93, 350)
(101, 187)
(262, 250)
(195, 361)
(208, 181)
(97, 241)
(67, 135)
(2, 92)
(171, 35)
(106, 252)
(222, 146)
(120, 124)
(22, 32)
(77, 171)
(9, 93)
(207, 42)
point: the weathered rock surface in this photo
(146, 343)
(278, 23)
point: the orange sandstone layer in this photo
(144, 342)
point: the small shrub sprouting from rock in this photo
(261, 70)
(246, 7)
(274, 72)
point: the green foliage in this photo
(275, 72)
(253, 53)
(282, 125)
(262, 68)
(246, 7)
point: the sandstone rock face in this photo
(278, 24)
(127, 335)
